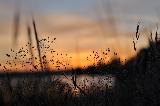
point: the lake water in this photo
(82, 81)
(86, 80)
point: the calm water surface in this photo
(82, 80)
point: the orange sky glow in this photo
(77, 34)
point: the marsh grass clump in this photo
(34, 91)
(49, 91)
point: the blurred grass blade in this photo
(111, 19)
(30, 44)
(16, 26)
(37, 42)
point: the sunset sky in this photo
(81, 26)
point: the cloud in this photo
(67, 28)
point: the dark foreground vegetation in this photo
(137, 84)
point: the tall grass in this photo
(31, 44)
(37, 42)
(16, 26)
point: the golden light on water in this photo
(75, 92)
